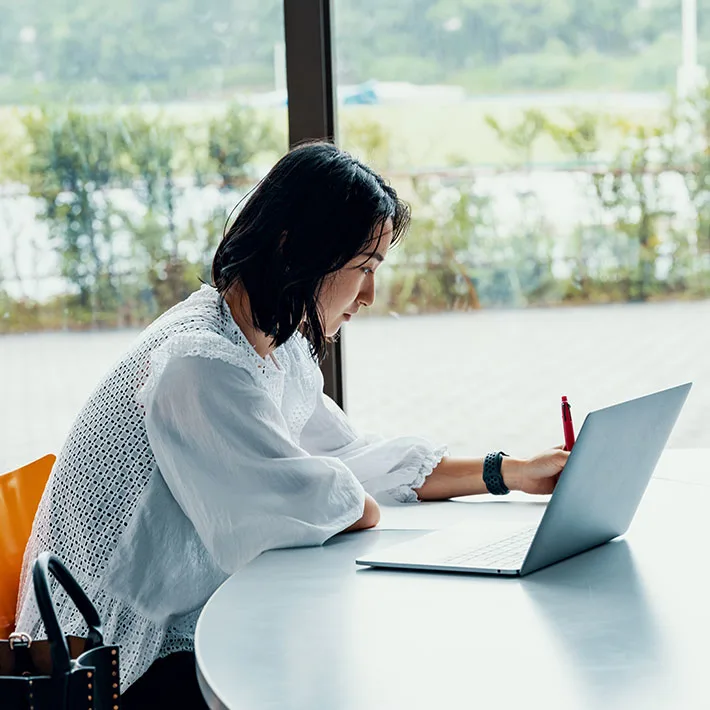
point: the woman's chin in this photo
(333, 329)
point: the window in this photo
(127, 134)
(561, 220)
(560, 235)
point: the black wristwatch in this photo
(492, 476)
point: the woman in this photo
(211, 440)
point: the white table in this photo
(626, 625)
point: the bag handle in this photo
(45, 564)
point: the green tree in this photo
(690, 128)
(493, 30)
(234, 140)
(14, 154)
(196, 48)
(73, 163)
(520, 138)
(579, 137)
(436, 264)
(631, 191)
(155, 147)
(529, 245)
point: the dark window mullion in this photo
(310, 78)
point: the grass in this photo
(420, 134)
(423, 135)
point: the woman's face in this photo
(353, 286)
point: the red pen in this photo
(567, 425)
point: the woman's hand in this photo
(537, 475)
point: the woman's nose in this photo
(367, 291)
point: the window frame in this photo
(310, 83)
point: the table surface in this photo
(624, 625)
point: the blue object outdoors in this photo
(355, 95)
(362, 94)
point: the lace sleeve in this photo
(387, 468)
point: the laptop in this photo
(594, 500)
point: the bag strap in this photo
(45, 564)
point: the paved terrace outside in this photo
(476, 381)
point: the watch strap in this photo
(492, 475)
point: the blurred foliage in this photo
(72, 166)
(520, 137)
(135, 204)
(429, 270)
(367, 140)
(134, 201)
(192, 49)
(631, 192)
(690, 135)
(109, 186)
(637, 242)
(235, 139)
(14, 152)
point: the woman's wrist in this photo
(512, 471)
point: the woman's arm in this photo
(463, 477)
(391, 466)
(410, 468)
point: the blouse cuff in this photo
(426, 464)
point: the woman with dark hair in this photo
(212, 441)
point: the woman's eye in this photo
(367, 270)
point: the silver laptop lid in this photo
(606, 475)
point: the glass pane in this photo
(127, 134)
(560, 188)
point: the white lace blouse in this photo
(192, 456)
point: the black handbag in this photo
(60, 673)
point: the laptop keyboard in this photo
(507, 553)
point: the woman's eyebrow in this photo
(375, 255)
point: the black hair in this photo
(316, 210)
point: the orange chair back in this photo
(20, 492)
